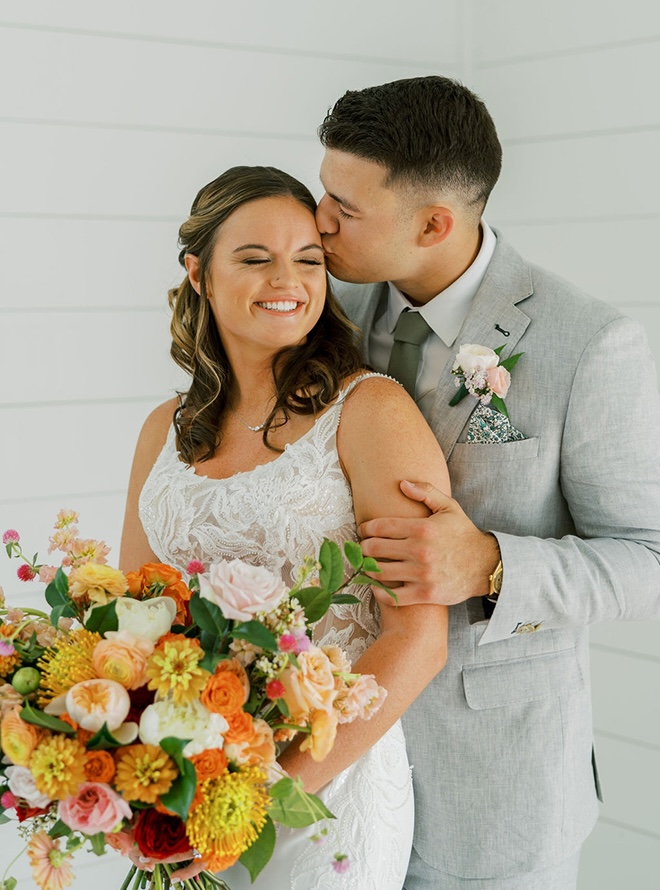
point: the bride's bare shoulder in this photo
(156, 427)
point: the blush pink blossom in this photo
(195, 567)
(341, 864)
(47, 574)
(26, 572)
(8, 800)
(96, 807)
(11, 536)
(499, 380)
(240, 590)
(295, 642)
(6, 648)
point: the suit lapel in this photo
(506, 283)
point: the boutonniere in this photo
(480, 372)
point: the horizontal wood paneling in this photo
(637, 637)
(417, 31)
(509, 29)
(619, 709)
(91, 355)
(630, 776)
(574, 94)
(166, 85)
(614, 858)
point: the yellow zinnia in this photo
(174, 670)
(58, 766)
(67, 663)
(144, 772)
(230, 814)
(96, 583)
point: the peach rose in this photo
(96, 807)
(310, 687)
(257, 749)
(322, 737)
(122, 656)
(234, 666)
(241, 590)
(92, 703)
(19, 739)
(499, 380)
(240, 727)
(361, 699)
(96, 583)
(223, 694)
(209, 764)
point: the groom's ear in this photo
(192, 268)
(437, 223)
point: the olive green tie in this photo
(410, 332)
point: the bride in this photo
(281, 440)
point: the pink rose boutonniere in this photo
(482, 373)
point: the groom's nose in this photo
(326, 220)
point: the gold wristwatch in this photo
(495, 583)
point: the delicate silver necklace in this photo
(255, 429)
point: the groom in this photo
(559, 517)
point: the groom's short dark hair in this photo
(428, 132)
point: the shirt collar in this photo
(446, 312)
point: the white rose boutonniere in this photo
(482, 373)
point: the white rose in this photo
(241, 590)
(185, 721)
(21, 783)
(146, 618)
(472, 357)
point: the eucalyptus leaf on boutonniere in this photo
(482, 373)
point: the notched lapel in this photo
(507, 282)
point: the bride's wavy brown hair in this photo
(307, 376)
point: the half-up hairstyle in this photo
(307, 376)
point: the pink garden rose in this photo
(95, 808)
(241, 590)
(499, 380)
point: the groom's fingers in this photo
(425, 493)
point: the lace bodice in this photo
(273, 516)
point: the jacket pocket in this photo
(524, 449)
(501, 683)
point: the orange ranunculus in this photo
(182, 608)
(223, 694)
(259, 749)
(19, 739)
(219, 861)
(167, 576)
(209, 764)
(99, 766)
(234, 666)
(122, 657)
(322, 737)
(135, 584)
(240, 727)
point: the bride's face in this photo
(266, 281)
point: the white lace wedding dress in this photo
(275, 515)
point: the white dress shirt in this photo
(444, 313)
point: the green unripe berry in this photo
(26, 680)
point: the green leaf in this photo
(331, 574)
(207, 615)
(499, 349)
(365, 579)
(498, 404)
(460, 395)
(340, 599)
(511, 361)
(173, 747)
(353, 553)
(59, 829)
(40, 718)
(8, 884)
(180, 795)
(315, 602)
(98, 843)
(54, 597)
(282, 707)
(210, 660)
(370, 565)
(103, 618)
(4, 819)
(295, 808)
(102, 740)
(254, 632)
(257, 855)
(61, 582)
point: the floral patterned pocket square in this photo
(490, 427)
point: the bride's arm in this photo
(135, 550)
(382, 440)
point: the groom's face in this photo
(367, 228)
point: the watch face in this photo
(497, 581)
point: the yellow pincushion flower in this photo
(173, 670)
(144, 772)
(58, 766)
(67, 663)
(230, 814)
(96, 583)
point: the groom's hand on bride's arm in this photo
(443, 558)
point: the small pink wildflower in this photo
(47, 574)
(341, 863)
(295, 642)
(6, 648)
(26, 572)
(275, 689)
(11, 537)
(195, 567)
(9, 800)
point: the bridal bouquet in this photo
(145, 711)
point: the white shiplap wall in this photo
(111, 118)
(572, 87)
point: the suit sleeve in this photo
(610, 478)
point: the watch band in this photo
(495, 583)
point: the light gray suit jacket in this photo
(501, 740)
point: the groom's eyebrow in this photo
(344, 203)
